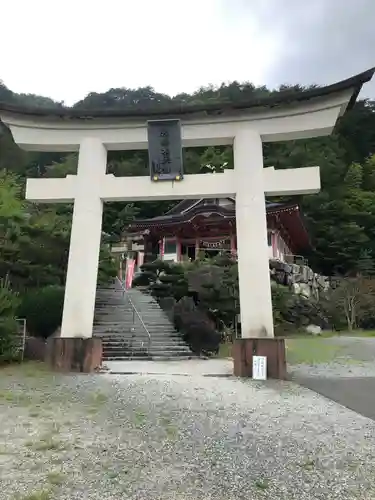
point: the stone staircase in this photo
(133, 326)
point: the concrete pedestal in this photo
(74, 354)
(273, 348)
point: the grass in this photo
(38, 495)
(225, 350)
(4, 451)
(29, 369)
(330, 334)
(47, 443)
(99, 398)
(139, 418)
(262, 484)
(55, 478)
(309, 464)
(312, 350)
(316, 350)
(15, 397)
(96, 402)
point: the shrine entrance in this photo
(188, 251)
(244, 125)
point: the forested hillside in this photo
(340, 219)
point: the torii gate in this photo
(92, 186)
(245, 125)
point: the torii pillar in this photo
(303, 115)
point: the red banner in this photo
(162, 248)
(130, 268)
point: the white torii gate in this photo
(248, 182)
(245, 125)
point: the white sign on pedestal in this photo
(259, 368)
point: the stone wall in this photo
(300, 278)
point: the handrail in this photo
(135, 310)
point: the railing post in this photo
(135, 313)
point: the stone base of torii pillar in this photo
(274, 350)
(74, 354)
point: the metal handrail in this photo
(22, 333)
(135, 311)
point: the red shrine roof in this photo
(287, 218)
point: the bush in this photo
(8, 324)
(163, 279)
(42, 308)
(108, 267)
(8, 332)
(293, 312)
(196, 328)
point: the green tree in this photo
(342, 212)
(8, 325)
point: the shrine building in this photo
(206, 227)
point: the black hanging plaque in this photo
(165, 150)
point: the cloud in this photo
(318, 41)
(65, 49)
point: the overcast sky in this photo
(65, 49)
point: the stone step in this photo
(105, 336)
(157, 343)
(153, 358)
(122, 332)
(119, 347)
(130, 328)
(145, 350)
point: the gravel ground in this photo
(208, 367)
(140, 437)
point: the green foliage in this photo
(8, 325)
(216, 282)
(340, 218)
(294, 312)
(354, 176)
(108, 267)
(354, 298)
(42, 308)
(163, 279)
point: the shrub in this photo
(8, 345)
(293, 312)
(108, 267)
(163, 279)
(196, 328)
(42, 308)
(8, 324)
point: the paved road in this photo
(357, 394)
(349, 380)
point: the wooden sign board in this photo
(165, 150)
